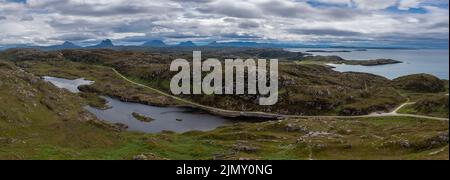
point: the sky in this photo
(423, 23)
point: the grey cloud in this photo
(75, 25)
(230, 20)
(280, 9)
(85, 10)
(240, 36)
(230, 12)
(137, 39)
(339, 13)
(206, 20)
(27, 18)
(181, 36)
(435, 40)
(75, 37)
(305, 11)
(193, 1)
(441, 25)
(238, 10)
(324, 32)
(248, 25)
(143, 25)
(68, 7)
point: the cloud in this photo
(324, 32)
(374, 5)
(240, 36)
(339, 2)
(101, 8)
(27, 18)
(407, 4)
(239, 9)
(306, 21)
(248, 25)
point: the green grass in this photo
(41, 121)
(427, 104)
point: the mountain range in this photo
(108, 44)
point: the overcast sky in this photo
(334, 22)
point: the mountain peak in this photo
(68, 43)
(187, 44)
(155, 43)
(65, 45)
(107, 43)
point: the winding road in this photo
(229, 113)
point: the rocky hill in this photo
(38, 120)
(422, 83)
(304, 89)
(41, 121)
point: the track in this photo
(228, 113)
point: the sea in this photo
(415, 61)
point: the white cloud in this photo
(54, 21)
(408, 4)
(340, 2)
(374, 4)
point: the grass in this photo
(94, 100)
(142, 118)
(305, 89)
(430, 105)
(41, 121)
(107, 83)
(274, 142)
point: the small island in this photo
(325, 51)
(375, 62)
(339, 60)
(142, 118)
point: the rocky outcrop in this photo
(422, 83)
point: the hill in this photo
(41, 121)
(154, 43)
(103, 45)
(304, 89)
(422, 83)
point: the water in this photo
(430, 61)
(165, 118)
(71, 85)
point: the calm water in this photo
(435, 62)
(71, 85)
(165, 118)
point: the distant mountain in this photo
(215, 43)
(68, 44)
(65, 45)
(187, 44)
(287, 45)
(5, 47)
(154, 43)
(107, 43)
